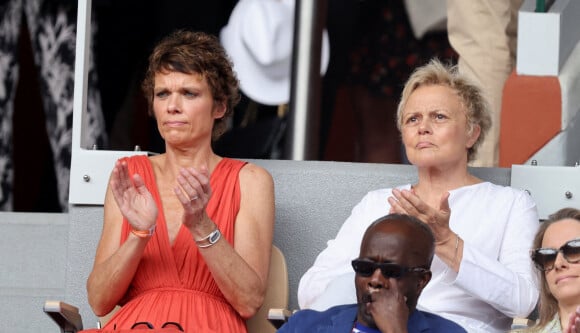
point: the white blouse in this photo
(495, 281)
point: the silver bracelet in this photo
(456, 247)
(210, 239)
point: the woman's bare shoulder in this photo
(254, 178)
(255, 172)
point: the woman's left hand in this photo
(407, 202)
(194, 193)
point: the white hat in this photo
(258, 38)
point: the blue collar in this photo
(360, 328)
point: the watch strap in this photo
(210, 239)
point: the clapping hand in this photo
(194, 192)
(574, 322)
(133, 198)
(407, 202)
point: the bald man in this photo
(391, 271)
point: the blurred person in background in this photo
(484, 34)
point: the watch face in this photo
(214, 237)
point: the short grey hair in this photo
(477, 109)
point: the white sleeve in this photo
(507, 283)
(333, 263)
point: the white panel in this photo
(552, 187)
(545, 40)
(89, 175)
(538, 42)
(90, 169)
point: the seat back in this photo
(276, 294)
(105, 319)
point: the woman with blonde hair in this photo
(482, 275)
(556, 255)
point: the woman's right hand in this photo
(407, 202)
(574, 322)
(133, 198)
(448, 245)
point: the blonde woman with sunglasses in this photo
(556, 255)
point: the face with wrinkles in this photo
(434, 127)
(184, 108)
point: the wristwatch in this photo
(210, 239)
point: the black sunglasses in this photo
(544, 258)
(389, 270)
(151, 327)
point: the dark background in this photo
(366, 37)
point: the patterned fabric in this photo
(52, 26)
(387, 50)
(173, 282)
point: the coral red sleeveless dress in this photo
(173, 282)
